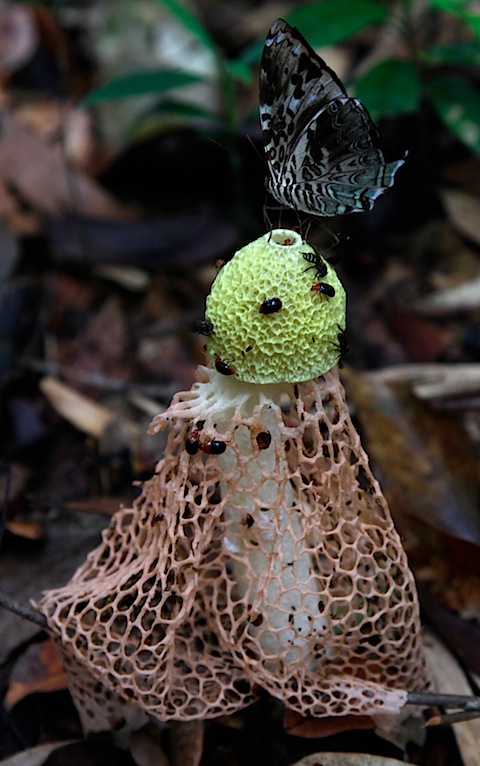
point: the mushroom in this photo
(262, 552)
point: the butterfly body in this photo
(323, 151)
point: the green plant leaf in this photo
(466, 10)
(239, 70)
(328, 21)
(252, 54)
(457, 102)
(463, 54)
(160, 117)
(141, 83)
(183, 14)
(389, 88)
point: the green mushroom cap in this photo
(269, 325)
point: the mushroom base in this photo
(270, 562)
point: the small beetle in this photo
(324, 288)
(264, 440)
(213, 447)
(223, 367)
(192, 443)
(271, 306)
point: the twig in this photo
(444, 700)
(23, 611)
(448, 719)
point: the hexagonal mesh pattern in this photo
(273, 564)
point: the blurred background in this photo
(131, 161)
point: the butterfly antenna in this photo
(266, 217)
(257, 151)
(304, 225)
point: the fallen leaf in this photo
(70, 537)
(310, 728)
(186, 742)
(348, 759)
(450, 679)
(179, 238)
(38, 669)
(422, 458)
(145, 747)
(462, 635)
(135, 280)
(36, 756)
(26, 529)
(464, 297)
(103, 344)
(83, 413)
(463, 211)
(44, 182)
(431, 381)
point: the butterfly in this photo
(323, 150)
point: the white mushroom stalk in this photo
(262, 553)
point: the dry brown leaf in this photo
(38, 669)
(422, 459)
(103, 346)
(464, 212)
(450, 679)
(464, 297)
(27, 529)
(129, 277)
(44, 182)
(85, 414)
(186, 743)
(36, 756)
(106, 505)
(311, 728)
(15, 477)
(146, 749)
(348, 759)
(431, 381)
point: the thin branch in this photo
(448, 719)
(23, 611)
(444, 700)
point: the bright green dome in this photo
(269, 325)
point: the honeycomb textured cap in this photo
(273, 565)
(299, 339)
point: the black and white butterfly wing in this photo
(323, 151)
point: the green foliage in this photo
(467, 10)
(329, 21)
(183, 14)
(462, 54)
(140, 84)
(457, 103)
(393, 86)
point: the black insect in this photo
(203, 327)
(223, 367)
(271, 306)
(324, 289)
(317, 263)
(264, 439)
(213, 447)
(342, 345)
(192, 443)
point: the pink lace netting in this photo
(273, 565)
